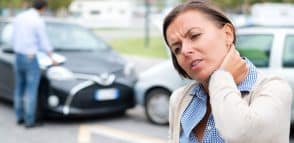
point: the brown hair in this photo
(211, 12)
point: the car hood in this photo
(93, 62)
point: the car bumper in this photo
(88, 112)
(140, 90)
(81, 99)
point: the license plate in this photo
(106, 94)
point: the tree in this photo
(241, 5)
(58, 4)
(17, 4)
(12, 3)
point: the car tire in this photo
(121, 113)
(157, 106)
(41, 102)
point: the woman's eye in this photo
(194, 36)
(176, 49)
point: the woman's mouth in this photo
(195, 64)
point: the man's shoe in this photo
(19, 122)
(33, 125)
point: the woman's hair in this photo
(211, 12)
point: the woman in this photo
(231, 101)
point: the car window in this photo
(1, 29)
(6, 31)
(68, 36)
(2, 25)
(62, 36)
(288, 55)
(255, 47)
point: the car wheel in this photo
(41, 102)
(157, 106)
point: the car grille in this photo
(85, 99)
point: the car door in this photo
(271, 53)
(6, 64)
(287, 64)
(288, 59)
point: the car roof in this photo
(266, 29)
(60, 20)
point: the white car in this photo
(271, 49)
(154, 88)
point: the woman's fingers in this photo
(234, 64)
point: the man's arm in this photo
(44, 42)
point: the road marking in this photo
(123, 135)
(84, 135)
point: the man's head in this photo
(40, 5)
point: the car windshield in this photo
(73, 37)
(63, 36)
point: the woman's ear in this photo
(229, 33)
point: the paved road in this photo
(131, 128)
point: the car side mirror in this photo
(7, 49)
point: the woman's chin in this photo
(201, 78)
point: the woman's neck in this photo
(205, 83)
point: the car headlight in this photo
(59, 73)
(53, 100)
(129, 69)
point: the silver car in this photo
(154, 88)
(271, 49)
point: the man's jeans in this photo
(27, 76)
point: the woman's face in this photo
(198, 44)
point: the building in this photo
(102, 13)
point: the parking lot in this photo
(133, 127)
(130, 128)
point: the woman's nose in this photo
(187, 49)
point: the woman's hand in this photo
(234, 64)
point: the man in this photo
(29, 37)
